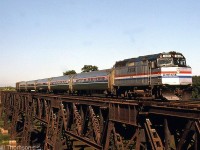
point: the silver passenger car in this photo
(31, 85)
(60, 84)
(95, 81)
(22, 86)
(42, 85)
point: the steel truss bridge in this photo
(56, 122)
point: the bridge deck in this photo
(74, 122)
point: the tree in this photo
(89, 68)
(196, 80)
(69, 72)
(196, 86)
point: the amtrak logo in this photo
(178, 70)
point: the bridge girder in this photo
(70, 122)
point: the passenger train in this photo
(159, 76)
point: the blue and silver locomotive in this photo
(162, 75)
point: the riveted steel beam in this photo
(74, 122)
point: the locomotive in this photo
(160, 76)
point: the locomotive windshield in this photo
(180, 62)
(165, 62)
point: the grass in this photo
(8, 88)
(4, 139)
(1, 123)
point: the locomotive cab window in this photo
(180, 62)
(165, 62)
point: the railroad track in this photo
(189, 104)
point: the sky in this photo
(44, 38)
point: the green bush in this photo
(196, 86)
(1, 123)
(4, 139)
